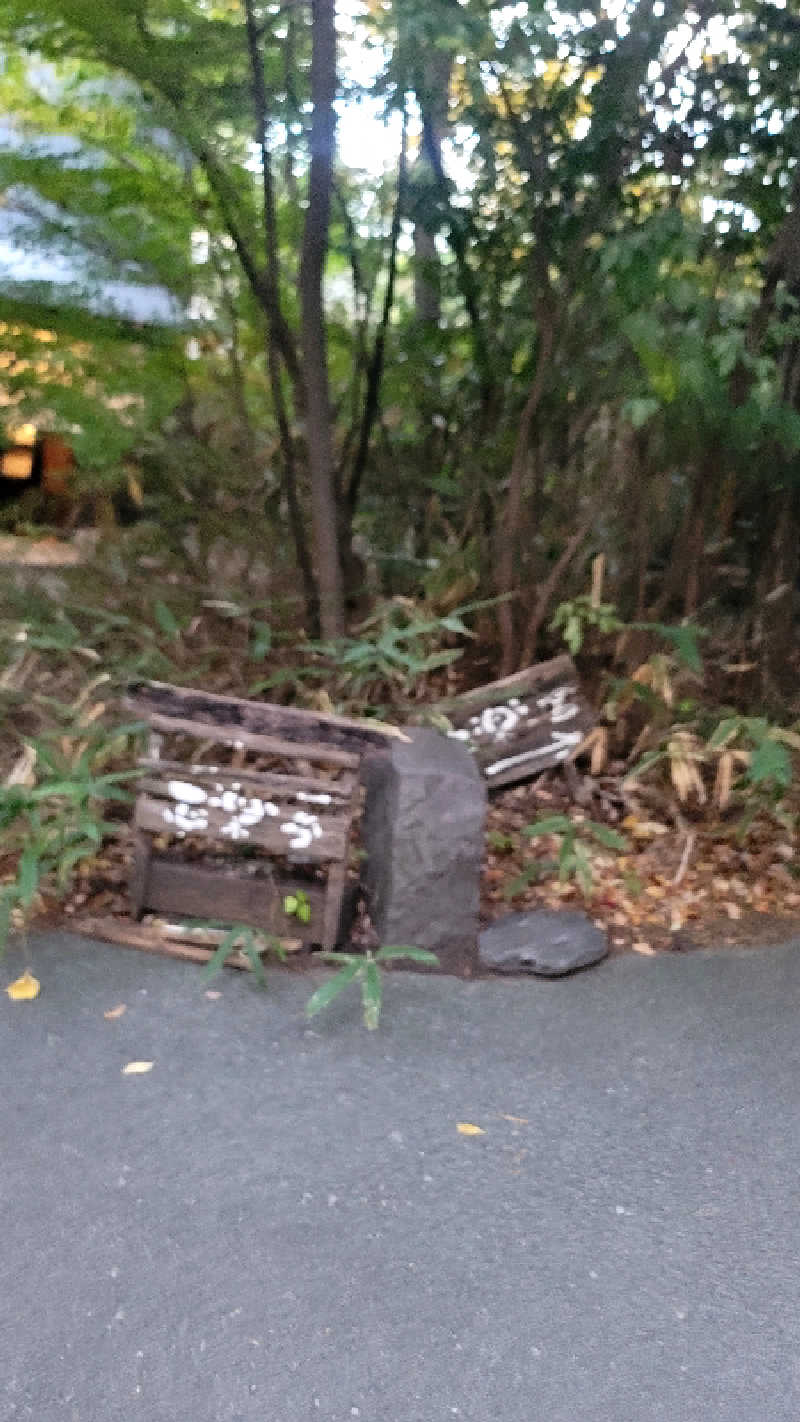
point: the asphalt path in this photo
(282, 1222)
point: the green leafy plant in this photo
(298, 905)
(743, 759)
(240, 937)
(574, 618)
(365, 971)
(398, 646)
(573, 859)
(58, 823)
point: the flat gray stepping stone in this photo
(543, 941)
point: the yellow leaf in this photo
(24, 989)
(465, 1129)
(115, 1012)
(136, 1068)
(643, 829)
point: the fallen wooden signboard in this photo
(523, 724)
(283, 787)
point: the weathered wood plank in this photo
(524, 723)
(248, 740)
(198, 891)
(140, 864)
(307, 729)
(169, 939)
(309, 835)
(255, 782)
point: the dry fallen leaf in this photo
(733, 910)
(640, 946)
(464, 1128)
(643, 829)
(25, 988)
(136, 1068)
(114, 1012)
(213, 994)
(516, 1120)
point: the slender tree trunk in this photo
(275, 322)
(506, 559)
(777, 598)
(432, 87)
(548, 588)
(371, 406)
(319, 434)
(291, 492)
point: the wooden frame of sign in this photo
(283, 787)
(523, 724)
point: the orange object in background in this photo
(58, 461)
(41, 460)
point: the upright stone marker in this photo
(423, 830)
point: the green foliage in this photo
(298, 905)
(240, 937)
(573, 861)
(365, 971)
(399, 646)
(742, 763)
(670, 374)
(683, 638)
(574, 618)
(58, 823)
(769, 746)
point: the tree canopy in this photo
(554, 313)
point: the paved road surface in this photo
(280, 1224)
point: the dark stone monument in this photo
(544, 941)
(423, 831)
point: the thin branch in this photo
(278, 327)
(549, 586)
(375, 369)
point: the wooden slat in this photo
(195, 891)
(239, 827)
(524, 723)
(149, 940)
(256, 782)
(249, 740)
(140, 865)
(286, 723)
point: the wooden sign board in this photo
(300, 813)
(521, 725)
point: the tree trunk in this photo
(506, 558)
(319, 434)
(433, 88)
(274, 318)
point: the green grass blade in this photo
(254, 958)
(371, 995)
(552, 824)
(612, 839)
(217, 960)
(417, 955)
(325, 995)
